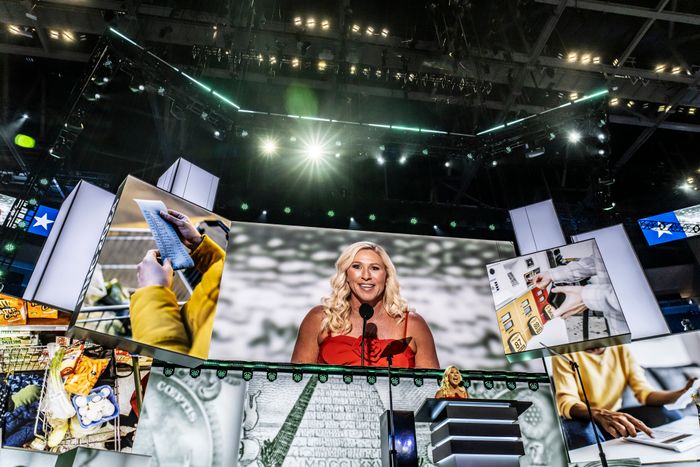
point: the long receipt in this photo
(686, 398)
(164, 234)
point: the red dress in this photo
(345, 350)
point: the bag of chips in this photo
(85, 375)
(12, 311)
(70, 358)
(35, 310)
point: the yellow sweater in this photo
(156, 318)
(605, 377)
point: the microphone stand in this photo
(392, 434)
(362, 342)
(575, 368)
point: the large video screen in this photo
(293, 294)
(561, 297)
(643, 398)
(157, 278)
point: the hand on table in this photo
(150, 272)
(620, 424)
(189, 236)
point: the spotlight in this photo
(369, 31)
(297, 376)
(54, 34)
(630, 104)
(264, 213)
(494, 163)
(614, 101)
(572, 57)
(244, 133)
(382, 147)
(353, 69)
(295, 62)
(509, 149)
(269, 146)
(322, 65)
(347, 378)
(44, 181)
(311, 23)
(533, 385)
(402, 160)
(195, 372)
(68, 36)
(247, 375)
(510, 385)
(676, 70)
(385, 32)
(372, 217)
(221, 373)
(325, 25)
(435, 227)
(395, 380)
(271, 375)
(9, 247)
(380, 160)
(168, 371)
(425, 151)
(453, 224)
(574, 136)
(488, 383)
(447, 164)
(142, 87)
(217, 134)
(352, 219)
(331, 213)
(492, 227)
(297, 21)
(418, 381)
(25, 116)
(601, 152)
(371, 379)
(601, 137)
(356, 28)
(314, 151)
(573, 96)
(33, 201)
(244, 206)
(322, 377)
(287, 210)
(414, 220)
(337, 154)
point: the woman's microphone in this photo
(366, 311)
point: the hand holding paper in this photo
(165, 234)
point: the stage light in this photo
(425, 151)
(352, 219)
(322, 65)
(453, 224)
(573, 136)
(14, 29)
(161, 91)
(54, 34)
(494, 163)
(382, 147)
(25, 116)
(488, 383)
(380, 160)
(630, 104)
(510, 385)
(9, 247)
(168, 371)
(533, 385)
(572, 57)
(372, 217)
(609, 206)
(297, 21)
(32, 201)
(24, 141)
(68, 36)
(614, 101)
(395, 380)
(269, 146)
(675, 70)
(293, 139)
(264, 213)
(418, 381)
(371, 379)
(221, 373)
(311, 23)
(217, 133)
(509, 149)
(271, 375)
(325, 25)
(492, 227)
(601, 137)
(596, 60)
(195, 372)
(536, 152)
(273, 60)
(414, 221)
(660, 68)
(385, 32)
(337, 154)
(447, 164)
(573, 96)
(314, 151)
(585, 59)
(247, 375)
(402, 160)
(356, 28)
(43, 181)
(244, 206)
(297, 376)
(295, 62)
(322, 377)
(601, 152)
(369, 30)
(338, 142)
(287, 210)
(435, 227)
(244, 133)
(691, 111)
(347, 378)
(331, 213)
(353, 69)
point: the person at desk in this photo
(156, 317)
(452, 386)
(331, 333)
(605, 373)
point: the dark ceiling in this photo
(455, 66)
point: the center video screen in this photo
(293, 294)
(561, 297)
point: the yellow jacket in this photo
(605, 377)
(157, 320)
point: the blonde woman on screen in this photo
(452, 386)
(331, 333)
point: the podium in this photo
(474, 432)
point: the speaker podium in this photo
(474, 432)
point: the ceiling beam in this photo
(628, 10)
(640, 34)
(645, 122)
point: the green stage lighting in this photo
(244, 206)
(453, 224)
(414, 220)
(24, 141)
(9, 247)
(372, 217)
(331, 213)
(287, 210)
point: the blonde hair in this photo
(445, 385)
(337, 307)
